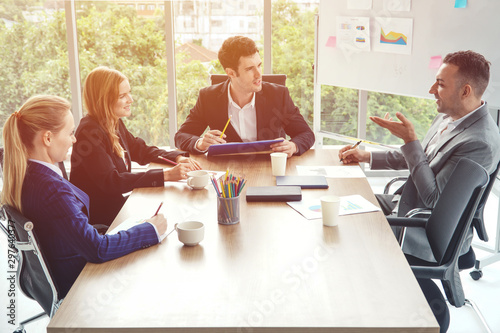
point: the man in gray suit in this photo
(463, 128)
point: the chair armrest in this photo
(414, 222)
(429, 272)
(392, 181)
(419, 211)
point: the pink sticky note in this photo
(435, 62)
(332, 41)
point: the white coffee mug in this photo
(278, 163)
(330, 205)
(198, 179)
(190, 233)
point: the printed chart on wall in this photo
(393, 35)
(353, 32)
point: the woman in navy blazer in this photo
(36, 138)
(101, 161)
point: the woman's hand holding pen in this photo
(160, 222)
(194, 164)
(211, 137)
(178, 172)
(351, 154)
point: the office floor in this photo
(484, 292)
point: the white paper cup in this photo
(278, 163)
(330, 205)
(198, 179)
(190, 233)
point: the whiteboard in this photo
(438, 29)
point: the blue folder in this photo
(253, 147)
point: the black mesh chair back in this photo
(478, 220)
(272, 78)
(33, 274)
(452, 215)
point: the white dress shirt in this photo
(244, 120)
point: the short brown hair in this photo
(473, 69)
(233, 49)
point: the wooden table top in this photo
(275, 271)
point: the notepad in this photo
(302, 181)
(274, 193)
(242, 147)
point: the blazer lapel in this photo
(460, 128)
(263, 119)
(125, 165)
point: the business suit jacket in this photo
(59, 212)
(476, 138)
(276, 117)
(103, 175)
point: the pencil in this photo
(355, 145)
(225, 127)
(158, 210)
(167, 160)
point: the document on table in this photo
(331, 171)
(351, 204)
(132, 222)
(216, 174)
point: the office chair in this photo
(272, 78)
(478, 223)
(467, 260)
(33, 275)
(446, 228)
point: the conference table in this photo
(274, 271)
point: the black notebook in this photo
(302, 181)
(274, 193)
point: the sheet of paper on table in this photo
(332, 171)
(351, 204)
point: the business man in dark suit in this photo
(258, 110)
(463, 128)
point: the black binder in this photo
(274, 193)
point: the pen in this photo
(167, 160)
(355, 145)
(225, 127)
(158, 210)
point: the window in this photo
(41, 70)
(117, 37)
(216, 23)
(151, 7)
(293, 30)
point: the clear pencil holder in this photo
(228, 210)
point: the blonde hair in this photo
(100, 94)
(39, 113)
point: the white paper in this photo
(127, 224)
(216, 174)
(351, 204)
(353, 33)
(132, 222)
(359, 4)
(397, 5)
(331, 171)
